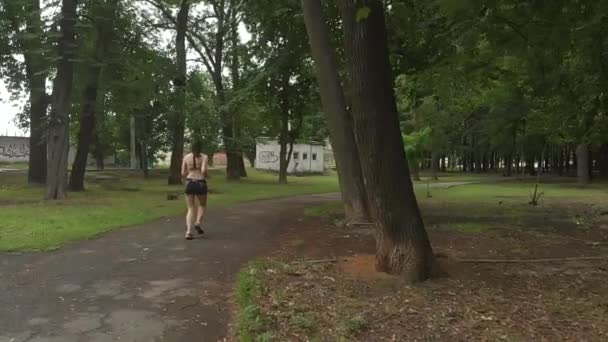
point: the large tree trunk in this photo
(58, 135)
(236, 84)
(88, 113)
(338, 119)
(402, 244)
(36, 75)
(233, 171)
(582, 165)
(178, 122)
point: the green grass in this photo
(251, 324)
(303, 321)
(29, 223)
(468, 227)
(14, 166)
(479, 208)
(354, 324)
(324, 210)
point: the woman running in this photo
(194, 168)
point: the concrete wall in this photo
(306, 158)
(17, 149)
(14, 149)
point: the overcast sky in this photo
(8, 110)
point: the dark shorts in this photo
(196, 187)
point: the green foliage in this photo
(416, 144)
(251, 324)
(362, 13)
(303, 321)
(354, 324)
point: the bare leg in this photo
(190, 216)
(200, 214)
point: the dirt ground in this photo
(306, 297)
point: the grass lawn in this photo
(296, 296)
(13, 166)
(29, 223)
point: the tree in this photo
(58, 134)
(402, 244)
(415, 146)
(209, 36)
(103, 14)
(287, 91)
(336, 113)
(23, 20)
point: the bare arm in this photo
(184, 168)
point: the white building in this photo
(306, 158)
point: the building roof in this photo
(265, 140)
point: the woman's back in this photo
(195, 168)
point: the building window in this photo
(296, 156)
(314, 156)
(304, 156)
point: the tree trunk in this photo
(509, 165)
(143, 156)
(283, 140)
(338, 118)
(88, 113)
(242, 169)
(567, 160)
(133, 145)
(415, 170)
(58, 134)
(582, 165)
(36, 75)
(530, 166)
(603, 161)
(236, 81)
(178, 122)
(100, 163)
(402, 244)
(434, 165)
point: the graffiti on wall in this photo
(268, 157)
(14, 151)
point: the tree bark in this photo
(509, 165)
(434, 165)
(582, 165)
(338, 118)
(284, 139)
(143, 156)
(402, 244)
(603, 161)
(530, 166)
(58, 135)
(236, 83)
(178, 122)
(36, 75)
(88, 113)
(133, 146)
